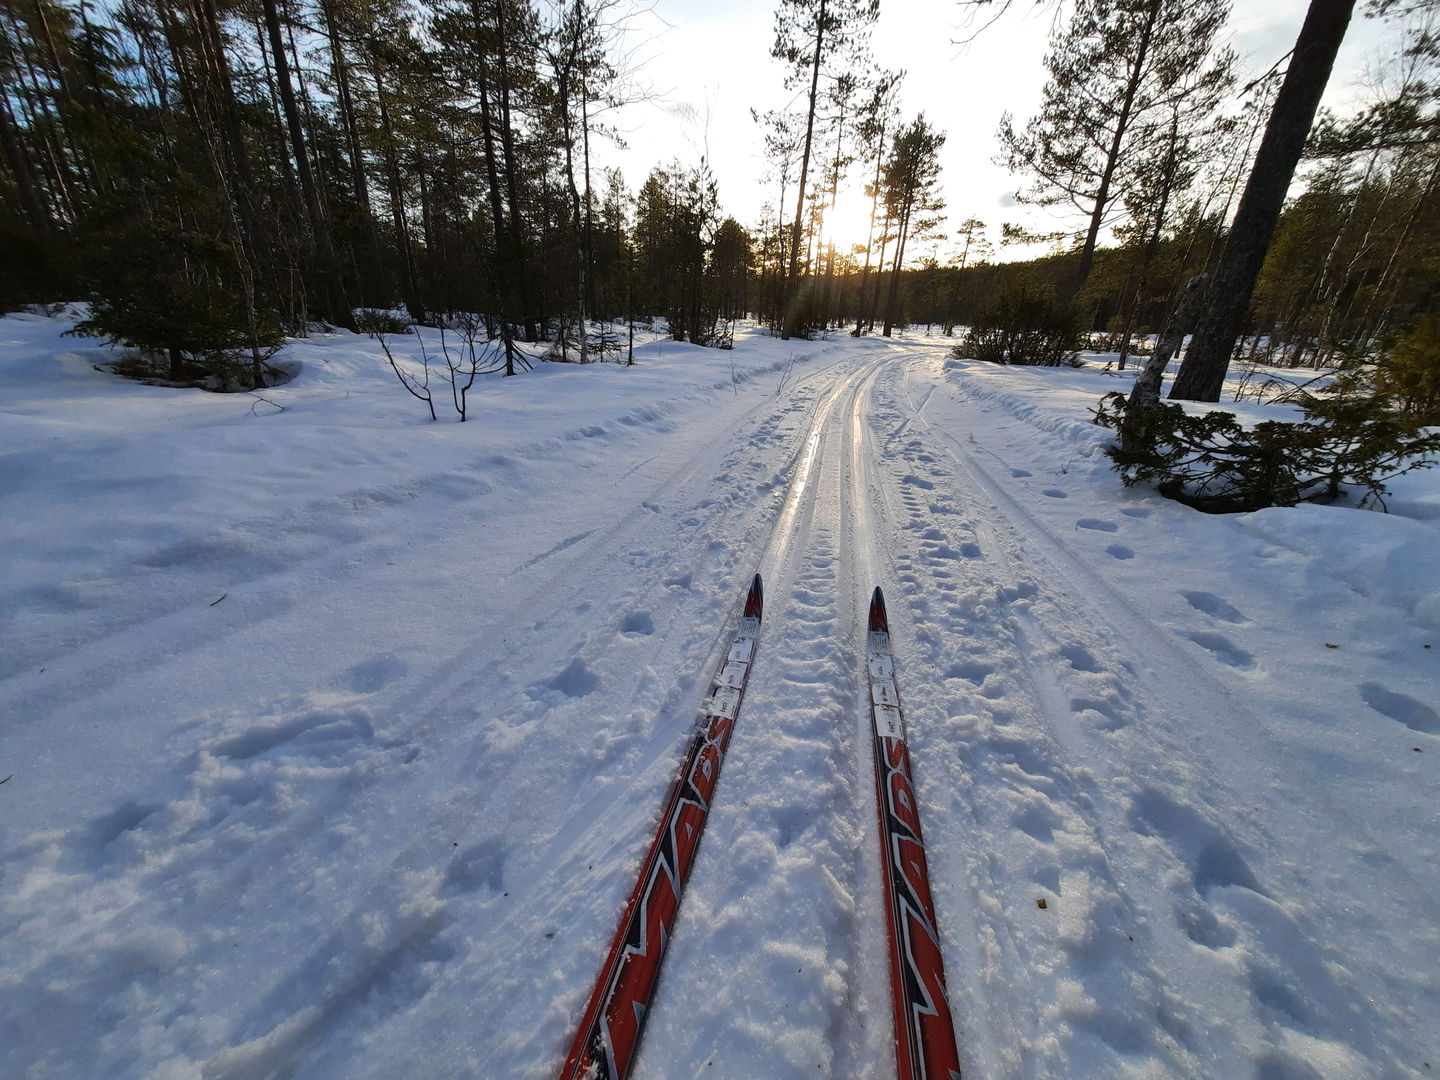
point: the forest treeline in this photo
(215, 174)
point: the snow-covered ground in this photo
(331, 737)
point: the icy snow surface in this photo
(333, 736)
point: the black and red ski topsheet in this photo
(925, 1046)
(609, 1032)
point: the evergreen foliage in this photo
(212, 178)
(1129, 105)
(1214, 463)
(1026, 327)
(1408, 372)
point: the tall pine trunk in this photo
(787, 296)
(1208, 359)
(1112, 157)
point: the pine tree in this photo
(1118, 73)
(911, 179)
(807, 34)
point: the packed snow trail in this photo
(379, 809)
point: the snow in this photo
(334, 736)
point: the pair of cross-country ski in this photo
(609, 1034)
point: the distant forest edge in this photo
(212, 175)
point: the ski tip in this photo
(755, 602)
(878, 619)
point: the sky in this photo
(705, 64)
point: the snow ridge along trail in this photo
(379, 809)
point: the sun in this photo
(847, 225)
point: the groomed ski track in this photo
(1063, 739)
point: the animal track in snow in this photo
(1030, 759)
(106, 829)
(1214, 606)
(638, 622)
(1038, 822)
(1108, 711)
(316, 729)
(373, 675)
(1223, 649)
(970, 670)
(1098, 524)
(1212, 857)
(1402, 708)
(480, 866)
(1219, 866)
(575, 681)
(1023, 590)
(1080, 658)
(935, 552)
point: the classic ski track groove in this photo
(1091, 759)
(1048, 709)
(811, 581)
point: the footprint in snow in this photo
(1023, 590)
(373, 675)
(480, 867)
(1210, 854)
(1224, 650)
(970, 670)
(915, 481)
(1401, 708)
(575, 681)
(106, 829)
(1020, 473)
(1080, 658)
(938, 552)
(1110, 718)
(1038, 822)
(88, 848)
(638, 623)
(314, 732)
(1098, 524)
(1119, 551)
(1137, 513)
(1214, 606)
(1056, 493)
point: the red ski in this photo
(924, 1035)
(609, 1033)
